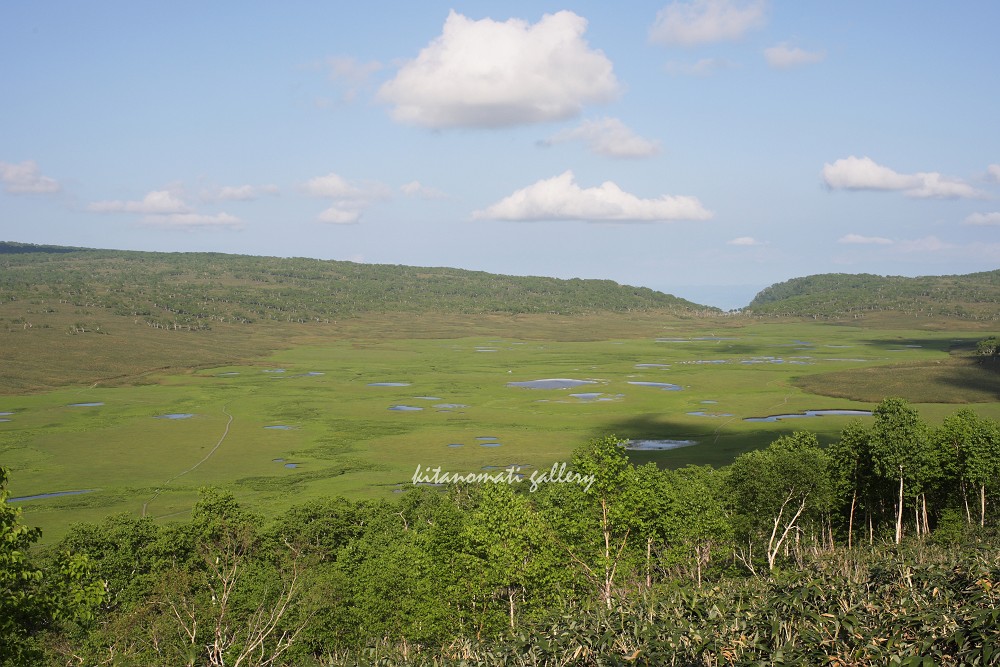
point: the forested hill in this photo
(971, 296)
(193, 290)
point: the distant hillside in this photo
(834, 295)
(192, 291)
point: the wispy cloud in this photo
(858, 239)
(984, 219)
(421, 191)
(157, 201)
(745, 241)
(784, 56)
(703, 67)
(560, 198)
(25, 178)
(706, 21)
(489, 73)
(854, 173)
(609, 137)
(239, 192)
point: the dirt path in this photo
(229, 423)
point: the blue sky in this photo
(705, 148)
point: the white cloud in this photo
(489, 73)
(156, 202)
(240, 192)
(854, 173)
(350, 198)
(858, 239)
(784, 56)
(745, 241)
(560, 198)
(994, 172)
(26, 179)
(706, 21)
(984, 219)
(340, 216)
(609, 137)
(703, 67)
(417, 189)
(194, 221)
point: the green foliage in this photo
(37, 597)
(840, 295)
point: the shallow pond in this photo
(405, 408)
(176, 415)
(551, 383)
(665, 386)
(658, 445)
(388, 384)
(279, 427)
(811, 413)
(85, 405)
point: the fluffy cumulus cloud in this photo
(858, 239)
(490, 73)
(785, 57)
(609, 137)
(560, 198)
(706, 21)
(156, 202)
(25, 178)
(984, 219)
(350, 198)
(854, 173)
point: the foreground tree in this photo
(774, 491)
(35, 599)
(898, 437)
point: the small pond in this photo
(456, 444)
(665, 386)
(176, 415)
(450, 406)
(275, 370)
(85, 405)
(405, 408)
(388, 384)
(652, 365)
(658, 445)
(702, 413)
(279, 427)
(811, 413)
(551, 383)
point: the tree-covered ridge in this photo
(193, 290)
(971, 296)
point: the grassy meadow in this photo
(321, 385)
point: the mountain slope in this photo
(834, 295)
(194, 290)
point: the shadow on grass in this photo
(716, 446)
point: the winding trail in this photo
(195, 466)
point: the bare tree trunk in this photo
(927, 526)
(850, 520)
(982, 505)
(965, 497)
(899, 512)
